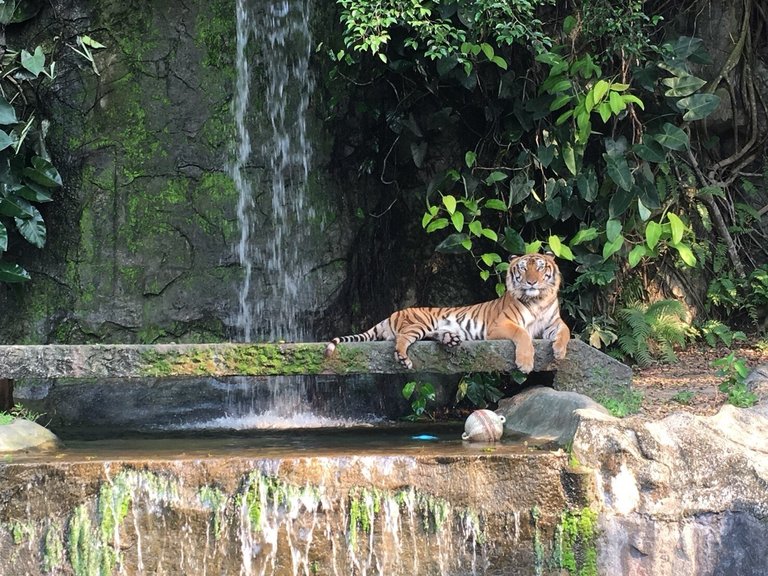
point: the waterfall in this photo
(273, 211)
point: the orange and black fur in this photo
(528, 309)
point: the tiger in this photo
(528, 309)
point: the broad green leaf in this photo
(698, 106)
(650, 150)
(647, 193)
(652, 234)
(418, 152)
(519, 190)
(545, 154)
(533, 247)
(487, 50)
(495, 176)
(476, 227)
(485, 274)
(467, 243)
(616, 102)
(426, 219)
(612, 229)
(555, 244)
(500, 62)
(3, 238)
(686, 254)
(7, 113)
(678, 228)
(586, 182)
(599, 90)
(16, 207)
(34, 193)
(32, 229)
(43, 172)
(636, 254)
(682, 85)
(512, 242)
(560, 101)
(618, 87)
(490, 258)
(495, 204)
(618, 170)
(672, 137)
(457, 218)
(565, 253)
(470, 158)
(643, 210)
(490, 234)
(569, 23)
(619, 202)
(610, 248)
(12, 273)
(409, 389)
(583, 235)
(563, 117)
(450, 203)
(454, 244)
(569, 158)
(604, 109)
(438, 224)
(34, 63)
(632, 99)
(5, 140)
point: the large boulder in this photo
(683, 495)
(24, 434)
(545, 413)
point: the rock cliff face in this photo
(142, 239)
(683, 495)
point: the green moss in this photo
(247, 360)
(215, 500)
(576, 542)
(22, 532)
(53, 550)
(215, 32)
(83, 545)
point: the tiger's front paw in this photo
(558, 349)
(524, 358)
(404, 361)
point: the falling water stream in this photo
(273, 211)
(272, 205)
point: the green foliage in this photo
(714, 332)
(622, 404)
(558, 140)
(652, 331)
(419, 393)
(483, 389)
(734, 371)
(19, 411)
(735, 297)
(683, 397)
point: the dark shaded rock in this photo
(545, 413)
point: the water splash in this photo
(285, 45)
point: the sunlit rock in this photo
(24, 434)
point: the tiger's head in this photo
(533, 277)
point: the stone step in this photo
(583, 370)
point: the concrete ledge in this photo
(583, 369)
